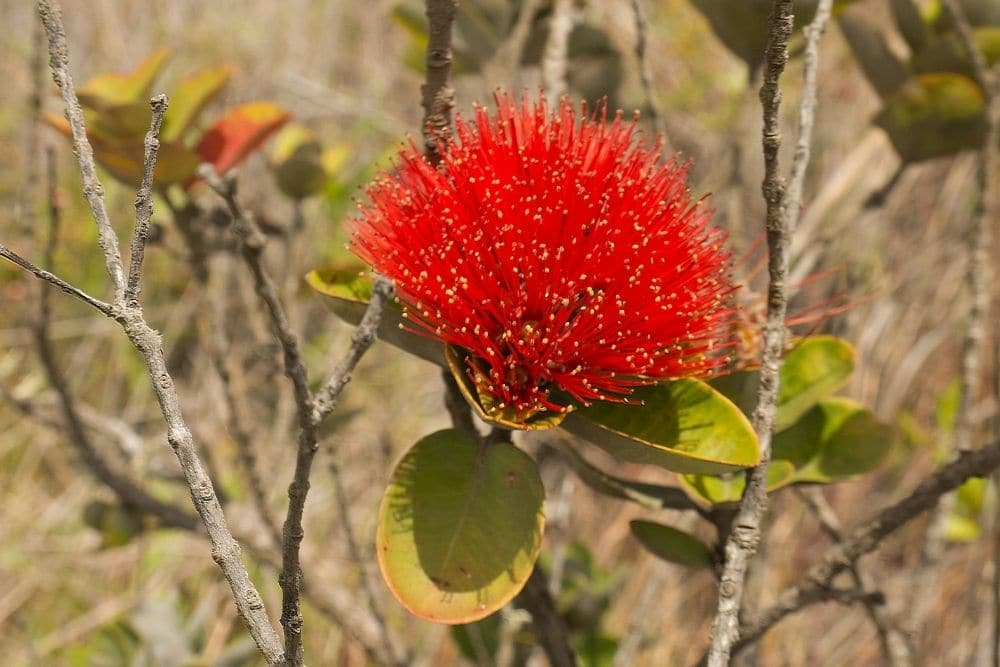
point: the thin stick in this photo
(894, 646)
(10, 255)
(807, 114)
(361, 340)
(144, 200)
(51, 16)
(554, 58)
(645, 73)
(978, 280)
(982, 238)
(745, 534)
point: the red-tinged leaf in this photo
(106, 90)
(190, 97)
(234, 136)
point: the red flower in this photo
(564, 259)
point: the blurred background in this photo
(879, 258)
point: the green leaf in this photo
(671, 544)
(729, 488)
(684, 425)
(190, 96)
(478, 641)
(934, 115)
(814, 369)
(460, 527)
(350, 290)
(297, 160)
(106, 90)
(962, 524)
(838, 439)
(947, 406)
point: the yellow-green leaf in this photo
(190, 96)
(460, 527)
(683, 425)
(106, 90)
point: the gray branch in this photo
(144, 200)
(745, 534)
(225, 550)
(51, 16)
(554, 58)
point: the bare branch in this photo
(981, 242)
(364, 336)
(807, 114)
(868, 536)
(10, 255)
(225, 550)
(51, 16)
(144, 200)
(556, 51)
(894, 646)
(645, 75)
(438, 95)
(550, 627)
(745, 534)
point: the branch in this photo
(645, 75)
(144, 200)
(867, 537)
(982, 238)
(807, 114)
(745, 534)
(894, 646)
(364, 336)
(251, 243)
(225, 550)
(437, 93)
(105, 308)
(51, 16)
(556, 51)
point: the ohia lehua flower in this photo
(562, 259)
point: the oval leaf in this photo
(238, 133)
(671, 544)
(837, 439)
(814, 369)
(460, 527)
(684, 425)
(350, 290)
